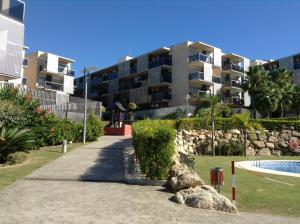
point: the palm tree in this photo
(214, 103)
(296, 100)
(14, 140)
(244, 123)
(283, 81)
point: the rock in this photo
(259, 144)
(282, 143)
(180, 142)
(276, 153)
(270, 145)
(202, 137)
(262, 136)
(185, 132)
(236, 131)
(285, 136)
(272, 139)
(250, 151)
(264, 152)
(228, 136)
(204, 197)
(296, 134)
(252, 136)
(182, 177)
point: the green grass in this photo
(254, 192)
(35, 160)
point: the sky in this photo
(98, 32)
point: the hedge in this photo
(226, 124)
(154, 146)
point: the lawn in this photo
(255, 193)
(35, 160)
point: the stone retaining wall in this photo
(284, 142)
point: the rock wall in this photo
(263, 143)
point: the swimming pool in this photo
(278, 167)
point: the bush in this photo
(94, 128)
(175, 115)
(230, 149)
(16, 158)
(14, 140)
(154, 146)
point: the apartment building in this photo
(291, 63)
(168, 76)
(50, 72)
(12, 49)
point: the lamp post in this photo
(86, 73)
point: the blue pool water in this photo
(285, 166)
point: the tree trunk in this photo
(245, 143)
(213, 137)
(281, 110)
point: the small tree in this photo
(244, 123)
(214, 103)
(132, 106)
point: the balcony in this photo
(199, 93)
(113, 75)
(131, 86)
(233, 100)
(15, 10)
(133, 70)
(62, 70)
(296, 65)
(160, 96)
(232, 83)
(233, 67)
(160, 62)
(200, 58)
(216, 79)
(196, 76)
(51, 86)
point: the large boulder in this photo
(205, 197)
(259, 144)
(181, 177)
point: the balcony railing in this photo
(233, 67)
(112, 76)
(131, 86)
(160, 96)
(52, 85)
(233, 100)
(233, 83)
(216, 79)
(197, 93)
(160, 62)
(196, 76)
(297, 65)
(133, 70)
(200, 57)
(60, 70)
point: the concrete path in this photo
(85, 186)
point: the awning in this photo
(120, 106)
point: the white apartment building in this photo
(167, 76)
(12, 47)
(50, 72)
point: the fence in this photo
(159, 113)
(60, 104)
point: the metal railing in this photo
(200, 57)
(196, 76)
(233, 67)
(112, 76)
(234, 83)
(52, 85)
(160, 62)
(233, 100)
(160, 96)
(197, 93)
(216, 79)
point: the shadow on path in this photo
(109, 165)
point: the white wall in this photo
(52, 63)
(68, 84)
(208, 72)
(217, 57)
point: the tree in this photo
(132, 106)
(214, 102)
(284, 88)
(244, 123)
(296, 100)
(262, 90)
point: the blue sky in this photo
(97, 33)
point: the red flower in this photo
(27, 98)
(47, 110)
(38, 110)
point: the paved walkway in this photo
(85, 186)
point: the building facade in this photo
(169, 76)
(50, 72)
(291, 63)
(12, 48)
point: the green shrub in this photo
(230, 149)
(16, 158)
(14, 140)
(175, 115)
(154, 146)
(94, 128)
